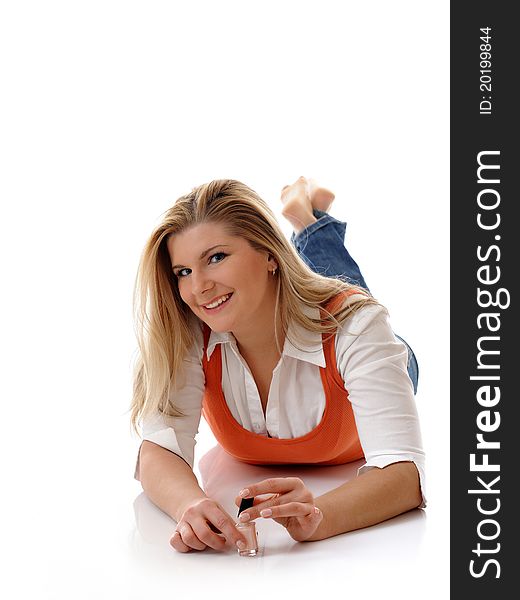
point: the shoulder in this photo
(369, 355)
(370, 322)
(368, 316)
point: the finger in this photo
(310, 522)
(220, 519)
(279, 485)
(177, 544)
(208, 537)
(189, 536)
(297, 496)
(316, 515)
(258, 499)
(292, 509)
(254, 512)
(260, 504)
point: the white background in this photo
(109, 112)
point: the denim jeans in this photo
(321, 246)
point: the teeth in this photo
(218, 302)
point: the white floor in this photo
(77, 525)
(372, 559)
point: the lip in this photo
(212, 311)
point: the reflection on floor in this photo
(383, 547)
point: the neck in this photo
(259, 340)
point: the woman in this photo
(287, 355)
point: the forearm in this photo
(373, 497)
(167, 479)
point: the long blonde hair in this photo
(164, 323)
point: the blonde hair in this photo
(162, 319)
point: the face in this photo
(225, 282)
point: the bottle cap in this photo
(245, 503)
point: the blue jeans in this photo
(321, 246)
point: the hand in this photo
(291, 504)
(205, 523)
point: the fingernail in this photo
(244, 517)
(240, 545)
(244, 493)
(267, 512)
(316, 510)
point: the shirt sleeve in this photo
(177, 434)
(372, 363)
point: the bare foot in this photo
(297, 206)
(321, 198)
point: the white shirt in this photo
(371, 361)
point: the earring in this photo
(274, 271)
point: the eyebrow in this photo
(203, 254)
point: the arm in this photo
(164, 469)
(167, 480)
(170, 483)
(373, 365)
(167, 451)
(375, 496)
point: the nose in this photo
(200, 284)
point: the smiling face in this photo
(226, 282)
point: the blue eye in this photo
(180, 274)
(219, 256)
(223, 254)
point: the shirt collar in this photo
(308, 346)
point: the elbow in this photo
(410, 485)
(143, 458)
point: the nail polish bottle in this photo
(248, 530)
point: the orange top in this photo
(333, 441)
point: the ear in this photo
(272, 262)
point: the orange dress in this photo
(333, 441)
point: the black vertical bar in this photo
(485, 256)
